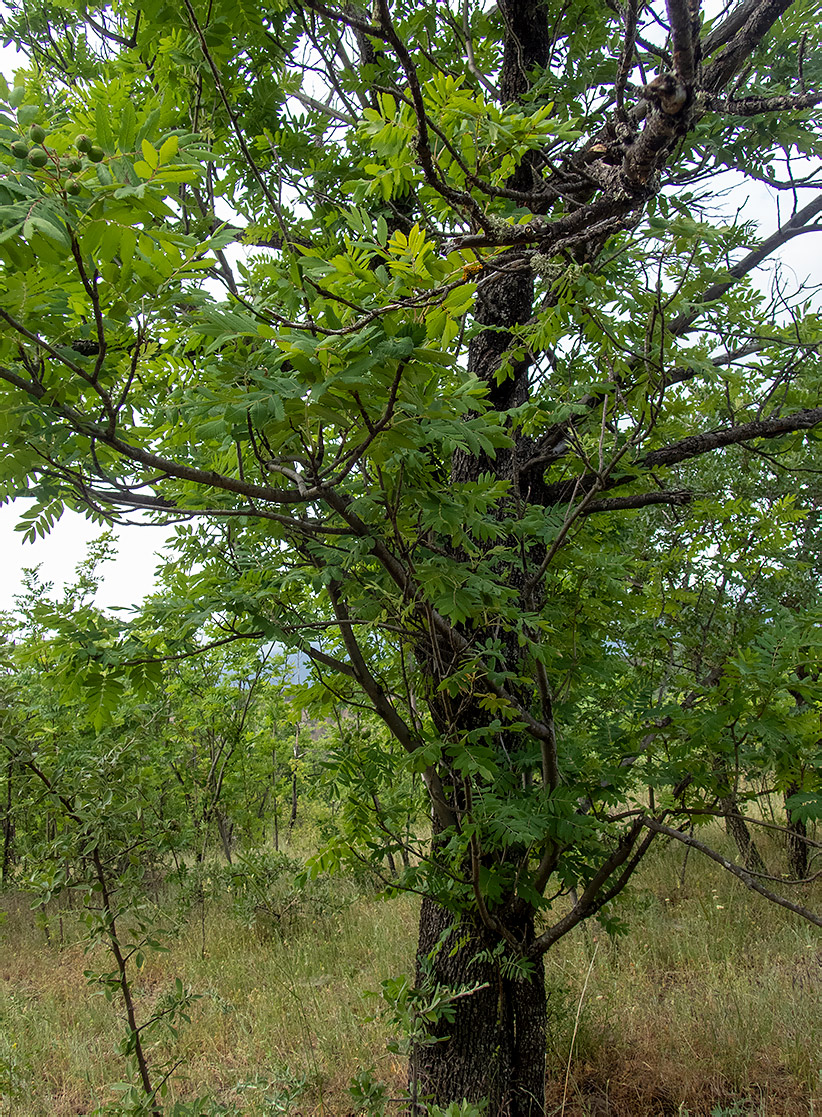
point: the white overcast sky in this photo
(131, 576)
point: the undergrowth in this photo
(709, 1007)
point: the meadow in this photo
(709, 1005)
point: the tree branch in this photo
(407, 737)
(752, 106)
(760, 19)
(729, 866)
(692, 447)
(591, 901)
(684, 23)
(641, 500)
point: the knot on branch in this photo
(666, 92)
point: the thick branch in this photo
(641, 500)
(753, 106)
(741, 46)
(723, 32)
(687, 448)
(683, 24)
(715, 440)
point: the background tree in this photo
(490, 327)
(226, 709)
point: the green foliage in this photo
(456, 379)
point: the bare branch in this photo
(753, 106)
(737, 870)
(641, 500)
(725, 31)
(683, 15)
(691, 447)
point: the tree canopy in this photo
(435, 331)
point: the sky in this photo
(131, 576)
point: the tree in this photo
(217, 749)
(89, 810)
(430, 327)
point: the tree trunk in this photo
(797, 846)
(493, 1046)
(737, 827)
(292, 822)
(226, 832)
(274, 777)
(8, 826)
(735, 824)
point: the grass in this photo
(709, 1006)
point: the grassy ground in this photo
(711, 1005)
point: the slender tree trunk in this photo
(735, 824)
(225, 830)
(737, 827)
(8, 825)
(797, 846)
(292, 822)
(389, 856)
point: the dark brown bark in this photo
(735, 824)
(737, 827)
(292, 822)
(8, 825)
(494, 1047)
(226, 831)
(797, 847)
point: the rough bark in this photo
(494, 1047)
(735, 824)
(797, 847)
(8, 826)
(737, 827)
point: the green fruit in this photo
(73, 187)
(84, 143)
(38, 157)
(74, 165)
(19, 149)
(37, 133)
(97, 155)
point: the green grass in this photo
(710, 1004)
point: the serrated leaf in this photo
(150, 154)
(169, 148)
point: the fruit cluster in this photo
(37, 156)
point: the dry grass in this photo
(711, 1004)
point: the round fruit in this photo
(73, 187)
(84, 143)
(97, 155)
(38, 157)
(74, 165)
(37, 133)
(19, 149)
